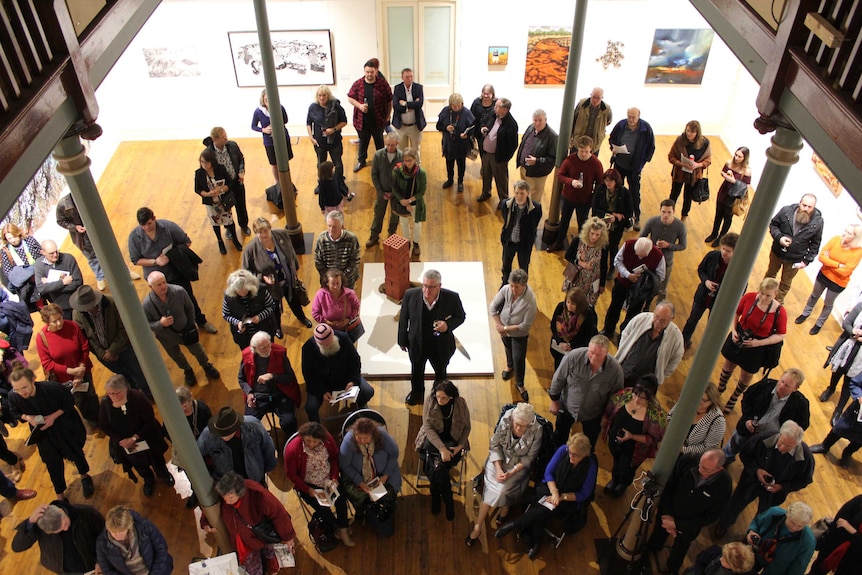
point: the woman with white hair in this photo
(513, 451)
(839, 257)
(247, 308)
(782, 540)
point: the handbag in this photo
(773, 352)
(301, 293)
(700, 191)
(321, 533)
(737, 189)
(227, 199)
(571, 272)
(473, 154)
(264, 530)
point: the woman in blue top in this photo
(782, 540)
(262, 122)
(568, 483)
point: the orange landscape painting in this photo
(547, 55)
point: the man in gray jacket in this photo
(171, 315)
(582, 385)
(235, 443)
(381, 175)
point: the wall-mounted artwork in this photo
(547, 55)
(678, 56)
(302, 58)
(826, 175)
(172, 62)
(498, 55)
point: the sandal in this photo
(469, 541)
(502, 520)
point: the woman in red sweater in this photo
(65, 356)
(839, 257)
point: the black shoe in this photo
(447, 184)
(358, 166)
(228, 234)
(166, 476)
(483, 198)
(507, 374)
(411, 400)
(189, 378)
(637, 225)
(305, 321)
(523, 392)
(710, 238)
(211, 372)
(279, 334)
(192, 501)
(845, 461)
(716, 243)
(237, 244)
(719, 531)
(222, 250)
(818, 448)
(87, 486)
(533, 552)
(815, 329)
(801, 318)
(827, 393)
(460, 187)
(372, 241)
(554, 247)
(246, 230)
(610, 486)
(505, 530)
(149, 489)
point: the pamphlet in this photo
(687, 164)
(326, 497)
(546, 501)
(284, 556)
(139, 446)
(378, 489)
(620, 149)
(55, 275)
(640, 269)
(81, 387)
(347, 395)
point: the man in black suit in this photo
(429, 315)
(407, 116)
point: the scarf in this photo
(369, 470)
(569, 324)
(846, 358)
(131, 553)
(264, 111)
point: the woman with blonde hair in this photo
(587, 253)
(708, 427)
(261, 122)
(454, 122)
(326, 118)
(18, 257)
(247, 308)
(840, 256)
(689, 155)
(735, 171)
(132, 544)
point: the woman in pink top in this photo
(337, 306)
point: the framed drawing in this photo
(302, 58)
(498, 55)
(678, 56)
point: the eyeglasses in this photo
(430, 286)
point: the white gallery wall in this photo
(135, 106)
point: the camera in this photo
(755, 539)
(743, 335)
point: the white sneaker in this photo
(101, 285)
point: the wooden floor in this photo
(159, 174)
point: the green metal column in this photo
(74, 164)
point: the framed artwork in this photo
(498, 55)
(678, 56)
(826, 175)
(547, 55)
(302, 58)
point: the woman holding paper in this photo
(567, 485)
(210, 183)
(442, 440)
(586, 253)
(65, 355)
(370, 473)
(337, 306)
(573, 323)
(135, 436)
(311, 464)
(689, 155)
(246, 507)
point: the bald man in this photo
(592, 117)
(57, 276)
(632, 145)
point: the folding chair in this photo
(457, 482)
(274, 429)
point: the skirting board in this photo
(378, 348)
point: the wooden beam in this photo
(831, 36)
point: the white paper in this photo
(221, 565)
(620, 149)
(348, 395)
(139, 446)
(56, 275)
(284, 556)
(596, 286)
(556, 347)
(378, 489)
(687, 164)
(640, 269)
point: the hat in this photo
(85, 298)
(225, 422)
(322, 332)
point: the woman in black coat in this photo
(840, 549)
(573, 323)
(455, 122)
(211, 183)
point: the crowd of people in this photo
(614, 397)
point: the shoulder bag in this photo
(700, 190)
(773, 352)
(264, 530)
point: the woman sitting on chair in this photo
(569, 481)
(442, 440)
(370, 473)
(513, 450)
(311, 464)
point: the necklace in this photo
(451, 411)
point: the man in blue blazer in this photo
(407, 116)
(429, 315)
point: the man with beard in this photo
(330, 363)
(796, 230)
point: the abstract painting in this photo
(678, 56)
(547, 55)
(498, 55)
(302, 58)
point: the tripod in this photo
(630, 556)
